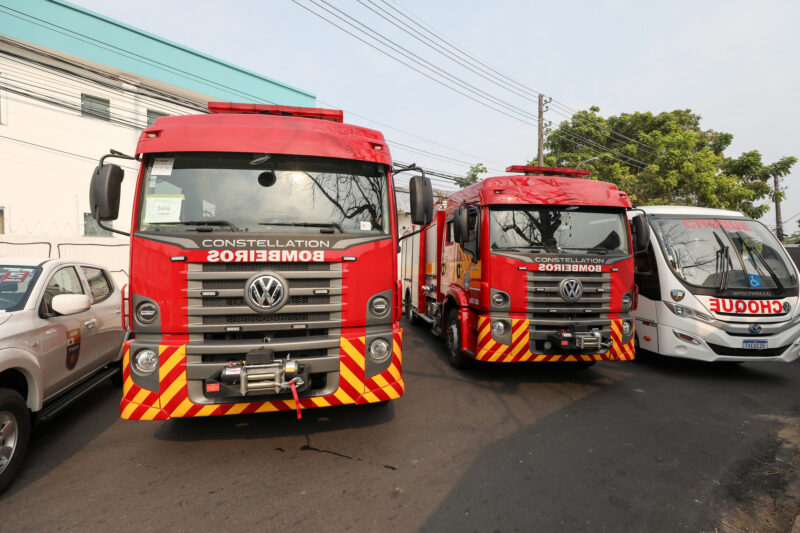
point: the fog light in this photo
(627, 328)
(379, 306)
(145, 362)
(627, 301)
(379, 350)
(146, 312)
(498, 299)
(498, 327)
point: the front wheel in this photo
(452, 337)
(15, 431)
(408, 310)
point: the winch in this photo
(577, 340)
(261, 372)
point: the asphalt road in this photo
(658, 446)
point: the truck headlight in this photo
(627, 328)
(145, 361)
(146, 312)
(499, 299)
(379, 306)
(627, 301)
(379, 350)
(499, 327)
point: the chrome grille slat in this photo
(194, 310)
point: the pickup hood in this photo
(4, 317)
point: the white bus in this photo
(715, 285)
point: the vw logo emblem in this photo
(787, 307)
(755, 328)
(265, 293)
(571, 289)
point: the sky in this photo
(735, 63)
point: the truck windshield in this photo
(724, 253)
(558, 229)
(16, 283)
(262, 193)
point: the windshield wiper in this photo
(723, 263)
(753, 252)
(205, 225)
(324, 225)
(529, 248)
(589, 249)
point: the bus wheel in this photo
(452, 337)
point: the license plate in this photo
(754, 345)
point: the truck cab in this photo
(536, 266)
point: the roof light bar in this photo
(548, 171)
(334, 115)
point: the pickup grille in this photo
(548, 312)
(223, 327)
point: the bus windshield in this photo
(724, 253)
(263, 193)
(558, 229)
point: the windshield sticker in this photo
(712, 223)
(755, 280)
(15, 277)
(162, 166)
(366, 225)
(163, 208)
(747, 307)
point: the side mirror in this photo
(69, 304)
(104, 192)
(421, 194)
(461, 225)
(641, 233)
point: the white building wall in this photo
(48, 150)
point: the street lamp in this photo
(587, 161)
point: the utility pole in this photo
(541, 130)
(778, 220)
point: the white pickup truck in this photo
(60, 336)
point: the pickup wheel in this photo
(452, 338)
(15, 431)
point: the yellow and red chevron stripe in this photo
(519, 351)
(173, 399)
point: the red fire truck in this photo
(531, 267)
(261, 279)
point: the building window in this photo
(152, 115)
(91, 229)
(92, 106)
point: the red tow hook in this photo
(296, 399)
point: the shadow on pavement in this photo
(766, 371)
(275, 424)
(54, 442)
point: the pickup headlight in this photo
(687, 312)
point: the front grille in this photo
(227, 312)
(548, 312)
(747, 352)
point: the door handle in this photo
(117, 311)
(90, 323)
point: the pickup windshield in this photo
(580, 230)
(724, 253)
(16, 283)
(209, 192)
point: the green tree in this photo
(665, 158)
(472, 175)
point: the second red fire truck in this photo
(536, 266)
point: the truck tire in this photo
(452, 339)
(15, 432)
(409, 311)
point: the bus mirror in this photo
(104, 192)
(461, 225)
(421, 194)
(641, 233)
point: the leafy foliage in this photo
(472, 175)
(665, 159)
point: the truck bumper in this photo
(171, 400)
(520, 348)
